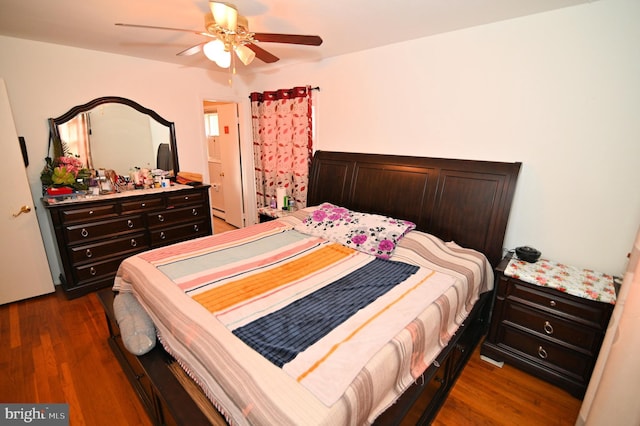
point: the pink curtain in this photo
(282, 143)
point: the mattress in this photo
(217, 302)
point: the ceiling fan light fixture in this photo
(225, 16)
(224, 59)
(245, 54)
(213, 50)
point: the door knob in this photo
(23, 209)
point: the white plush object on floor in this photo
(136, 327)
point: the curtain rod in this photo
(313, 88)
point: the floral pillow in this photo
(369, 233)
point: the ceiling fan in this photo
(229, 32)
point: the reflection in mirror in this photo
(118, 134)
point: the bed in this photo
(398, 345)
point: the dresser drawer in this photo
(184, 199)
(577, 309)
(88, 213)
(547, 354)
(103, 249)
(178, 233)
(176, 215)
(552, 327)
(142, 205)
(101, 229)
(97, 270)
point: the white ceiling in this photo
(345, 25)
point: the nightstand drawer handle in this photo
(133, 242)
(548, 328)
(552, 303)
(162, 235)
(88, 253)
(130, 223)
(84, 233)
(93, 271)
(194, 212)
(160, 218)
(542, 353)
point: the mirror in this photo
(118, 134)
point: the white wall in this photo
(45, 80)
(558, 91)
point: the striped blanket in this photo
(256, 315)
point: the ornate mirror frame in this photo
(89, 106)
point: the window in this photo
(211, 124)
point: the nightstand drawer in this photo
(552, 327)
(547, 354)
(574, 308)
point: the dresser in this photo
(93, 235)
(546, 331)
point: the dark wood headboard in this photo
(464, 201)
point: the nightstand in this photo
(546, 323)
(266, 214)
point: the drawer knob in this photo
(552, 303)
(542, 353)
(90, 212)
(84, 233)
(162, 236)
(133, 242)
(186, 198)
(88, 253)
(161, 218)
(194, 212)
(143, 205)
(548, 328)
(196, 228)
(130, 223)
(93, 271)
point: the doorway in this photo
(224, 161)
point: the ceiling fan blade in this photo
(309, 40)
(151, 27)
(191, 50)
(262, 54)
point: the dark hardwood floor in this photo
(55, 350)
